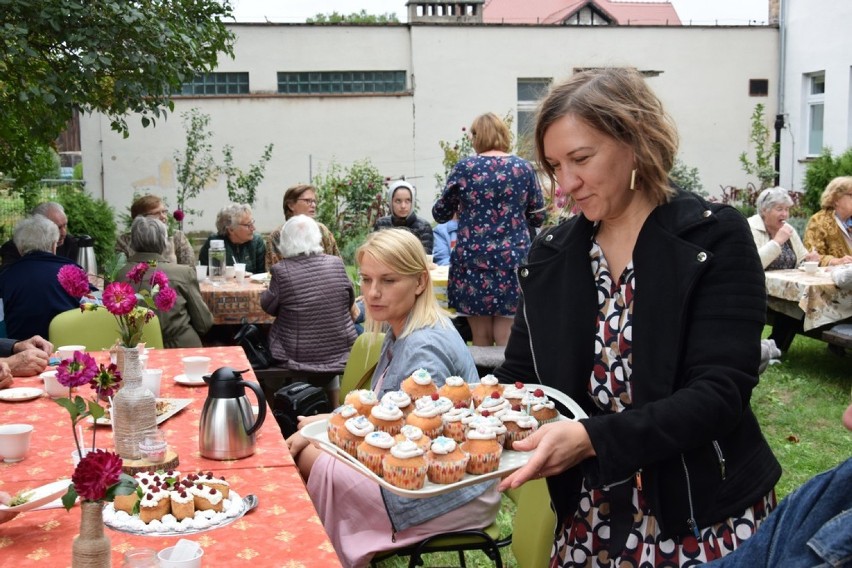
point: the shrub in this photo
(89, 216)
(350, 200)
(687, 178)
(821, 171)
(763, 166)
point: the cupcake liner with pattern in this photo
(373, 461)
(405, 476)
(444, 472)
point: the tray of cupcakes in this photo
(167, 503)
(422, 440)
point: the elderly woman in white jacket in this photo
(777, 242)
(779, 247)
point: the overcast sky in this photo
(699, 12)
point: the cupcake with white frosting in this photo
(416, 435)
(353, 432)
(387, 417)
(338, 417)
(405, 466)
(486, 386)
(419, 384)
(362, 399)
(454, 426)
(400, 399)
(372, 451)
(484, 451)
(456, 389)
(518, 425)
(446, 461)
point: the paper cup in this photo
(239, 272)
(201, 272)
(14, 441)
(229, 272)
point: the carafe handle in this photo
(261, 405)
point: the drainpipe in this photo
(782, 64)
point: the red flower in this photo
(178, 215)
(166, 299)
(74, 280)
(160, 279)
(119, 298)
(138, 272)
(78, 371)
(106, 380)
(95, 473)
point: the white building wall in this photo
(456, 72)
(817, 40)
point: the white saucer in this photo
(20, 394)
(260, 277)
(41, 496)
(184, 380)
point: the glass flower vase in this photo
(91, 548)
(134, 408)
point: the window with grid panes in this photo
(340, 82)
(217, 84)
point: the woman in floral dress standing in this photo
(498, 199)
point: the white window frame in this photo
(815, 113)
(527, 107)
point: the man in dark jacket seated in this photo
(66, 246)
(23, 358)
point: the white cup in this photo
(239, 272)
(201, 272)
(143, 362)
(165, 562)
(52, 386)
(229, 271)
(67, 351)
(151, 380)
(810, 266)
(14, 441)
(195, 367)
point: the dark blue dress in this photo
(498, 199)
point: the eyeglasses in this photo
(249, 224)
(308, 201)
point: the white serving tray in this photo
(175, 406)
(510, 460)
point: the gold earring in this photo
(633, 180)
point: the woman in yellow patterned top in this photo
(827, 230)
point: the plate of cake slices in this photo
(411, 464)
(166, 408)
(167, 503)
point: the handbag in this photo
(297, 399)
(251, 339)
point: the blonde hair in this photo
(402, 252)
(618, 103)
(489, 132)
(835, 189)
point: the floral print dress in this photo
(498, 199)
(583, 540)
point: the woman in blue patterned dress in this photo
(498, 199)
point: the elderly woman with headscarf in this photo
(190, 317)
(178, 248)
(828, 229)
(235, 226)
(310, 296)
(402, 198)
(778, 244)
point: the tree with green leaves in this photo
(111, 56)
(195, 166)
(763, 165)
(242, 184)
(361, 17)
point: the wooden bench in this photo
(840, 335)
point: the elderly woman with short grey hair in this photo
(190, 318)
(777, 242)
(29, 287)
(235, 226)
(310, 296)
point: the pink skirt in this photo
(353, 513)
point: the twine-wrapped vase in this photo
(91, 548)
(134, 408)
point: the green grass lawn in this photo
(799, 404)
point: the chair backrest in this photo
(533, 524)
(362, 358)
(96, 329)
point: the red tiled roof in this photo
(554, 11)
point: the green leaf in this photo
(125, 486)
(96, 410)
(69, 498)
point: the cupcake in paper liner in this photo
(372, 451)
(405, 466)
(488, 422)
(387, 417)
(518, 425)
(353, 432)
(540, 407)
(446, 461)
(340, 415)
(400, 399)
(454, 426)
(484, 451)
(416, 435)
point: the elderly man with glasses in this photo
(66, 246)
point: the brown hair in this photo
(835, 189)
(292, 195)
(143, 205)
(618, 103)
(489, 132)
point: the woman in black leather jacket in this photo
(647, 309)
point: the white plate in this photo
(41, 495)
(175, 406)
(20, 394)
(184, 380)
(510, 460)
(260, 278)
(233, 509)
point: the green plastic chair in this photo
(96, 329)
(362, 358)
